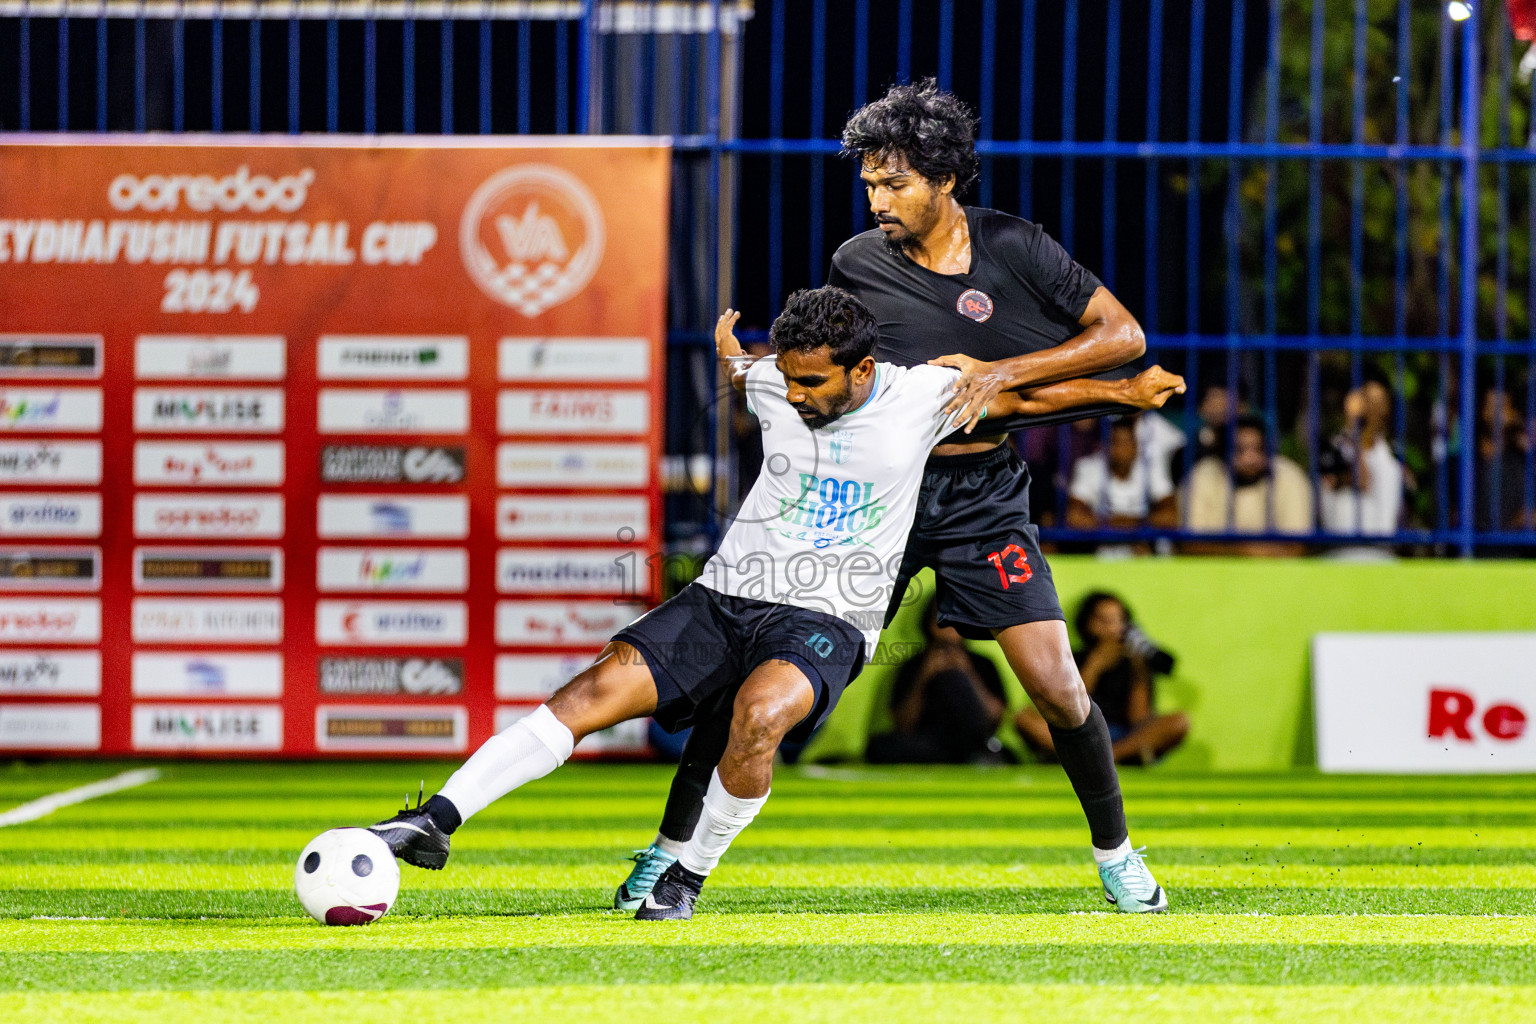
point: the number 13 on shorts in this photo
(1011, 557)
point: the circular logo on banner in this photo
(974, 304)
(532, 237)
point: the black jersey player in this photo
(942, 278)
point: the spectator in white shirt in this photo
(1363, 495)
(1119, 488)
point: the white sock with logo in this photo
(529, 749)
(722, 820)
(1105, 856)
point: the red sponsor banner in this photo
(297, 438)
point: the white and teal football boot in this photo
(649, 864)
(1130, 886)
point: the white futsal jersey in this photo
(825, 525)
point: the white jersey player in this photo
(781, 620)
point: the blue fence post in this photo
(408, 76)
(370, 77)
(485, 76)
(584, 70)
(178, 75)
(24, 74)
(63, 74)
(293, 74)
(216, 73)
(101, 73)
(445, 76)
(332, 75)
(1470, 160)
(254, 28)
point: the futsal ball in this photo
(346, 876)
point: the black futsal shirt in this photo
(1022, 294)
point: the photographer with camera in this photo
(1117, 661)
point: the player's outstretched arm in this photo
(1111, 337)
(733, 361)
(1149, 389)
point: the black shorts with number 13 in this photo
(973, 530)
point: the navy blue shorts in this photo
(973, 530)
(702, 642)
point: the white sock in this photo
(723, 819)
(672, 846)
(529, 749)
(1105, 856)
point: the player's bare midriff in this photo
(981, 444)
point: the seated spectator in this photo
(1362, 478)
(1116, 661)
(1214, 409)
(946, 702)
(1158, 440)
(1252, 493)
(1502, 444)
(1118, 489)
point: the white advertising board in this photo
(1425, 702)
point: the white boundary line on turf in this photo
(44, 806)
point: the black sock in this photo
(443, 814)
(1087, 755)
(706, 744)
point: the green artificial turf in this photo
(859, 894)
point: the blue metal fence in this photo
(1295, 196)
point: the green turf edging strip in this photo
(813, 1004)
(1110, 964)
(228, 903)
(608, 928)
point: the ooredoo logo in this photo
(532, 237)
(241, 190)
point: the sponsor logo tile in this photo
(54, 462)
(198, 674)
(200, 515)
(416, 677)
(208, 569)
(571, 571)
(50, 355)
(584, 411)
(574, 359)
(209, 464)
(50, 673)
(383, 729)
(207, 727)
(589, 518)
(392, 623)
(50, 727)
(33, 620)
(443, 517)
(561, 623)
(383, 357)
(237, 620)
(50, 515)
(50, 568)
(391, 464)
(210, 356)
(393, 411)
(521, 464)
(209, 410)
(25, 410)
(443, 570)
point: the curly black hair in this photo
(814, 317)
(933, 130)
